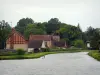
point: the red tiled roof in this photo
(40, 37)
(16, 38)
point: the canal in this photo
(54, 64)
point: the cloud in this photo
(21, 13)
(85, 12)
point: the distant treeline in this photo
(73, 35)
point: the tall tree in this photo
(53, 25)
(69, 32)
(90, 32)
(33, 29)
(95, 39)
(41, 25)
(79, 31)
(21, 25)
(4, 32)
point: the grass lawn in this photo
(25, 56)
(95, 54)
(38, 55)
(69, 51)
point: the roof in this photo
(35, 44)
(14, 31)
(59, 43)
(40, 37)
(17, 37)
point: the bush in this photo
(45, 49)
(20, 52)
(7, 52)
(79, 43)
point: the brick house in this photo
(48, 39)
(16, 40)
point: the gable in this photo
(56, 38)
(16, 38)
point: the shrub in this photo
(45, 49)
(79, 43)
(7, 52)
(20, 52)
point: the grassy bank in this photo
(38, 55)
(26, 56)
(69, 50)
(95, 55)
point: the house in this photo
(16, 40)
(46, 38)
(41, 41)
(60, 44)
(34, 45)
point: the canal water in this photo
(53, 64)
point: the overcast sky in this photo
(84, 12)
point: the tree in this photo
(32, 29)
(79, 43)
(21, 25)
(84, 37)
(95, 39)
(79, 31)
(89, 33)
(4, 32)
(70, 32)
(52, 25)
(41, 25)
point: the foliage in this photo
(41, 25)
(20, 52)
(88, 35)
(68, 50)
(7, 52)
(22, 23)
(52, 25)
(33, 29)
(95, 39)
(45, 49)
(79, 43)
(70, 32)
(93, 36)
(67, 32)
(4, 32)
(95, 55)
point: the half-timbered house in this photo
(16, 40)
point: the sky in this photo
(84, 12)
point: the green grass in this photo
(68, 51)
(95, 54)
(38, 55)
(26, 56)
